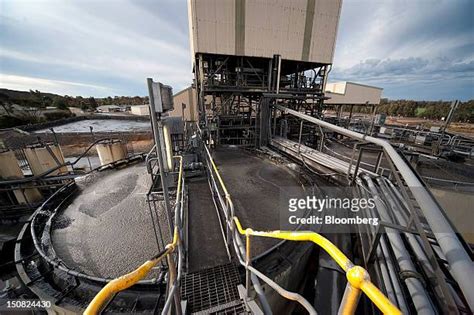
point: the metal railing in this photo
(451, 246)
(174, 269)
(357, 276)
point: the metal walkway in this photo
(206, 244)
(213, 290)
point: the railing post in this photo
(247, 264)
(172, 280)
(349, 300)
(299, 138)
(228, 218)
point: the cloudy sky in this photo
(414, 49)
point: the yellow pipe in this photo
(357, 276)
(350, 299)
(217, 172)
(316, 238)
(379, 299)
(180, 176)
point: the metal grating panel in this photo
(211, 287)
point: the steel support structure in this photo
(230, 93)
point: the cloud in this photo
(413, 49)
(415, 78)
(387, 69)
(103, 43)
(419, 49)
(15, 82)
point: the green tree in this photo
(5, 103)
(92, 103)
(59, 103)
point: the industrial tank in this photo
(9, 169)
(44, 157)
(111, 150)
(300, 30)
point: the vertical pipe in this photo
(374, 110)
(270, 70)
(350, 115)
(299, 138)
(247, 263)
(278, 75)
(172, 282)
(202, 107)
(349, 301)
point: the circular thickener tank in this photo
(43, 158)
(111, 151)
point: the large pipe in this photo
(387, 268)
(460, 262)
(418, 294)
(278, 75)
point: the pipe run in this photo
(460, 262)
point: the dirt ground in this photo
(466, 129)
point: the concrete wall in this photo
(352, 93)
(297, 30)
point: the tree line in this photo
(21, 108)
(421, 109)
(35, 98)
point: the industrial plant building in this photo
(203, 220)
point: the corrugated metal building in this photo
(185, 105)
(352, 93)
(243, 50)
(300, 30)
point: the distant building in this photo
(76, 110)
(350, 93)
(140, 110)
(108, 109)
(185, 105)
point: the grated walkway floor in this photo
(207, 289)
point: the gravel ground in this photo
(107, 230)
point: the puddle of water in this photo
(458, 207)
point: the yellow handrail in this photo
(216, 170)
(357, 276)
